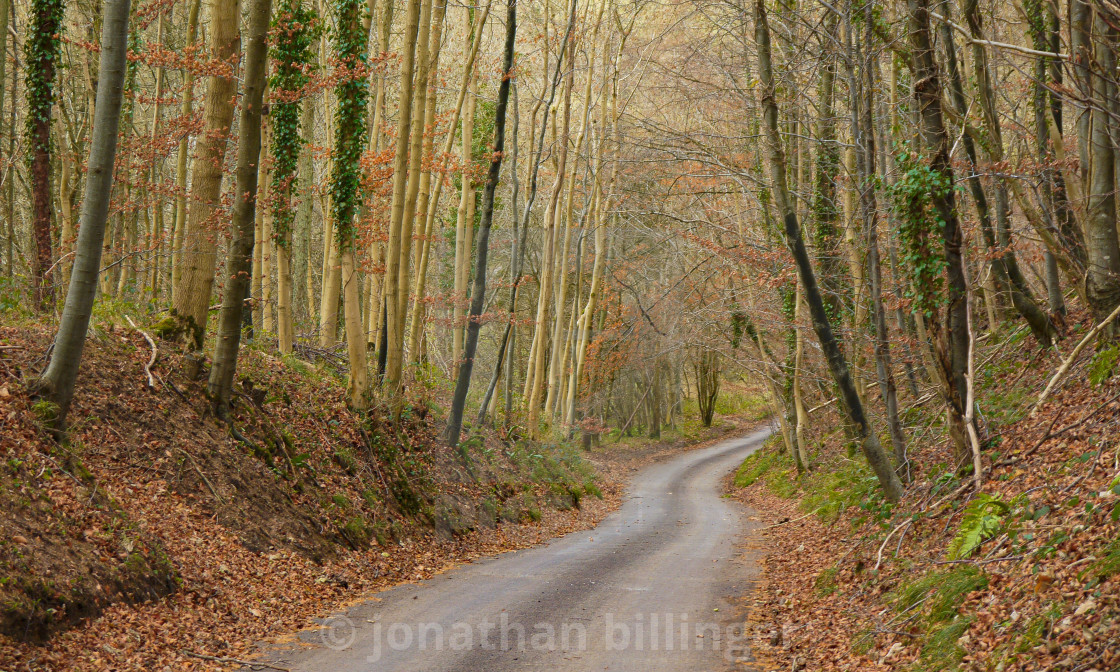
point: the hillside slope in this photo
(177, 538)
(1024, 575)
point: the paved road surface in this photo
(639, 593)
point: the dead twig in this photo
(155, 353)
(787, 522)
(255, 665)
(1064, 368)
(201, 475)
(879, 555)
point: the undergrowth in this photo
(933, 602)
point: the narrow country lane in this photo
(646, 590)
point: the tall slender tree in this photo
(838, 366)
(240, 257)
(58, 381)
(478, 292)
(394, 347)
(293, 27)
(198, 256)
(350, 132)
(950, 336)
(42, 53)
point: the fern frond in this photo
(983, 519)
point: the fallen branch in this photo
(201, 475)
(787, 522)
(879, 555)
(817, 408)
(255, 665)
(1064, 368)
(951, 495)
(970, 394)
(155, 353)
(999, 45)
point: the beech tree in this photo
(240, 255)
(350, 130)
(838, 366)
(58, 380)
(198, 253)
(293, 27)
(478, 292)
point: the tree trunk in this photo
(1102, 279)
(198, 257)
(42, 53)
(838, 366)
(332, 281)
(951, 337)
(506, 345)
(603, 203)
(304, 214)
(57, 382)
(425, 205)
(431, 208)
(240, 257)
(1021, 296)
(9, 178)
(5, 13)
(393, 289)
(350, 133)
(801, 417)
(478, 293)
(376, 298)
(155, 231)
(463, 228)
(654, 425)
(186, 111)
(292, 51)
(863, 130)
(826, 237)
(545, 296)
(415, 168)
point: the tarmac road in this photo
(644, 591)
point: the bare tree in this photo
(57, 382)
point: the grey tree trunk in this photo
(837, 364)
(863, 130)
(505, 346)
(1007, 277)
(478, 292)
(1021, 296)
(535, 158)
(1102, 279)
(240, 259)
(950, 338)
(57, 382)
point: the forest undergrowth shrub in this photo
(752, 404)
(832, 491)
(771, 465)
(937, 596)
(1103, 365)
(825, 583)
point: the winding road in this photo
(646, 590)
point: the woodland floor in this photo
(152, 540)
(853, 584)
